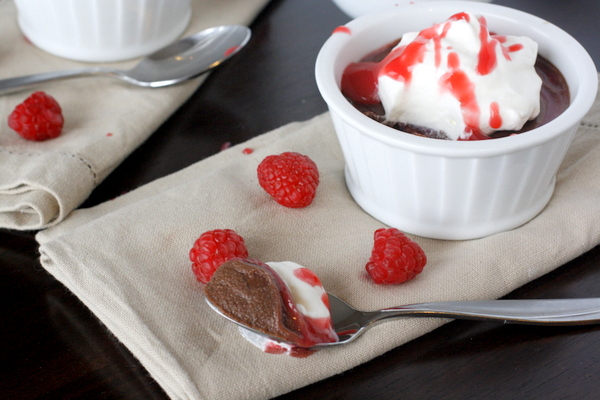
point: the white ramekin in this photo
(357, 8)
(102, 30)
(444, 189)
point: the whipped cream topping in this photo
(307, 291)
(457, 78)
(311, 301)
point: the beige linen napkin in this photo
(127, 260)
(105, 120)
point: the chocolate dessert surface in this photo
(252, 295)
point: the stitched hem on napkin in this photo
(37, 199)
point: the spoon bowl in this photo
(350, 323)
(178, 62)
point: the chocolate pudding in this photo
(254, 295)
(554, 95)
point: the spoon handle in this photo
(11, 85)
(531, 312)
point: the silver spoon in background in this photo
(350, 323)
(175, 63)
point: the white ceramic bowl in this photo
(358, 8)
(102, 30)
(444, 189)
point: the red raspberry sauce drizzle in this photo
(360, 80)
(311, 330)
(462, 88)
(306, 275)
(342, 29)
(231, 50)
(495, 118)
(318, 327)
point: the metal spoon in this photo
(350, 323)
(178, 62)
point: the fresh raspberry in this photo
(290, 178)
(212, 249)
(37, 118)
(394, 258)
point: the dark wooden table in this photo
(54, 348)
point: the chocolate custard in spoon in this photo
(262, 310)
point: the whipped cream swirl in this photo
(457, 78)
